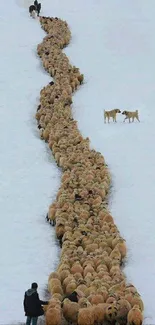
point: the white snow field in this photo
(29, 178)
(113, 44)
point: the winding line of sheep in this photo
(92, 247)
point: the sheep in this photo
(136, 300)
(86, 316)
(76, 268)
(96, 299)
(99, 313)
(88, 269)
(53, 282)
(70, 310)
(111, 312)
(56, 289)
(71, 287)
(135, 316)
(53, 316)
(123, 309)
(64, 274)
(92, 248)
(57, 296)
(54, 275)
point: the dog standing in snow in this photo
(131, 115)
(112, 113)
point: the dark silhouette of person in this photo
(33, 305)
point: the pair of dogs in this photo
(128, 115)
(35, 8)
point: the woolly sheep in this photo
(86, 316)
(70, 310)
(53, 316)
(87, 172)
(111, 312)
(135, 316)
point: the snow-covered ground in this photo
(29, 178)
(113, 44)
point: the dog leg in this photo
(125, 119)
(129, 119)
(137, 119)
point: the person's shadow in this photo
(41, 321)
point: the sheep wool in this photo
(93, 249)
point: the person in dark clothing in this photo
(36, 3)
(38, 9)
(33, 305)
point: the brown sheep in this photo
(76, 268)
(96, 299)
(136, 300)
(52, 283)
(70, 310)
(111, 312)
(99, 313)
(135, 316)
(56, 289)
(54, 316)
(92, 248)
(123, 309)
(86, 316)
(71, 287)
(54, 275)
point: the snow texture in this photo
(113, 44)
(29, 176)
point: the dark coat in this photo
(32, 303)
(38, 8)
(36, 3)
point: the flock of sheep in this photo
(92, 247)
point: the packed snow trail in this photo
(113, 44)
(29, 176)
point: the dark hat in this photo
(34, 285)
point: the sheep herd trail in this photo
(93, 250)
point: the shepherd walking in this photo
(33, 305)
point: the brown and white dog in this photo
(131, 115)
(112, 113)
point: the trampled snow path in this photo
(29, 178)
(113, 44)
